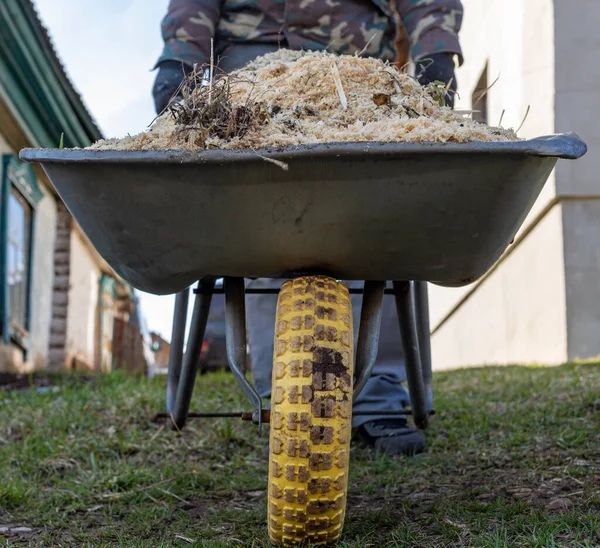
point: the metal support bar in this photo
(192, 353)
(424, 335)
(176, 350)
(266, 415)
(275, 291)
(386, 413)
(368, 333)
(208, 415)
(408, 332)
(235, 339)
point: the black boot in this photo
(392, 436)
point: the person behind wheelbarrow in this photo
(244, 29)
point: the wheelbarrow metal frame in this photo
(413, 315)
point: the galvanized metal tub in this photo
(443, 213)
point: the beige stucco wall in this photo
(4, 148)
(578, 109)
(516, 40)
(581, 221)
(42, 279)
(517, 314)
(577, 84)
(83, 303)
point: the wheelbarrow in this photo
(376, 212)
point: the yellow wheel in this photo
(311, 411)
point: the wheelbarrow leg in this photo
(192, 352)
(368, 334)
(235, 340)
(424, 335)
(408, 331)
(176, 350)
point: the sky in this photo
(109, 49)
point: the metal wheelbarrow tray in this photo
(443, 213)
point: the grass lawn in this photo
(513, 459)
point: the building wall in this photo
(83, 305)
(161, 356)
(515, 39)
(7, 356)
(578, 109)
(57, 358)
(577, 80)
(517, 314)
(4, 147)
(42, 279)
(581, 220)
(41, 285)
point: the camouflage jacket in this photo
(341, 26)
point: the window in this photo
(18, 197)
(17, 259)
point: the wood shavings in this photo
(293, 98)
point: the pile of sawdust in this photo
(291, 98)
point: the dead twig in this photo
(279, 163)
(212, 70)
(485, 92)
(359, 54)
(207, 111)
(185, 539)
(174, 496)
(338, 84)
(525, 118)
